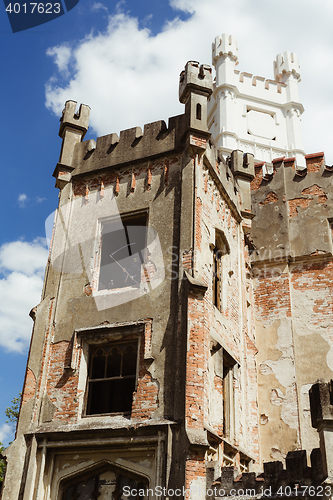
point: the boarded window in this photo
(112, 378)
(123, 243)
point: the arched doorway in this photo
(104, 483)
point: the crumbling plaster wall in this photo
(74, 268)
(231, 328)
(292, 266)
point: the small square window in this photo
(123, 243)
(111, 378)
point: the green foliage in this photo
(12, 412)
(2, 464)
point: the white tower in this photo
(255, 114)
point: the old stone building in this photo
(186, 308)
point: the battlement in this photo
(274, 479)
(286, 64)
(262, 84)
(225, 45)
(195, 78)
(131, 145)
(70, 118)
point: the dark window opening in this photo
(228, 394)
(198, 111)
(122, 252)
(216, 277)
(112, 378)
(220, 252)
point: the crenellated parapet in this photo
(289, 204)
(293, 480)
(130, 146)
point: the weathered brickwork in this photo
(145, 397)
(195, 474)
(61, 385)
(311, 192)
(196, 364)
(270, 198)
(129, 176)
(29, 386)
(314, 162)
(232, 323)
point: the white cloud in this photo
(22, 266)
(40, 199)
(129, 77)
(5, 431)
(61, 55)
(96, 6)
(22, 199)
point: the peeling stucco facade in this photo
(292, 263)
(214, 329)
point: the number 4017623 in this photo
(31, 8)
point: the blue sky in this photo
(123, 59)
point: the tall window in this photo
(228, 396)
(220, 252)
(122, 251)
(111, 378)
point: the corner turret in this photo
(224, 58)
(195, 86)
(73, 128)
(286, 64)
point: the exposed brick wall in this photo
(187, 260)
(196, 363)
(198, 222)
(311, 192)
(272, 295)
(195, 470)
(29, 386)
(256, 182)
(295, 203)
(130, 176)
(270, 198)
(314, 162)
(145, 398)
(205, 321)
(61, 385)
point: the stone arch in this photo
(103, 480)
